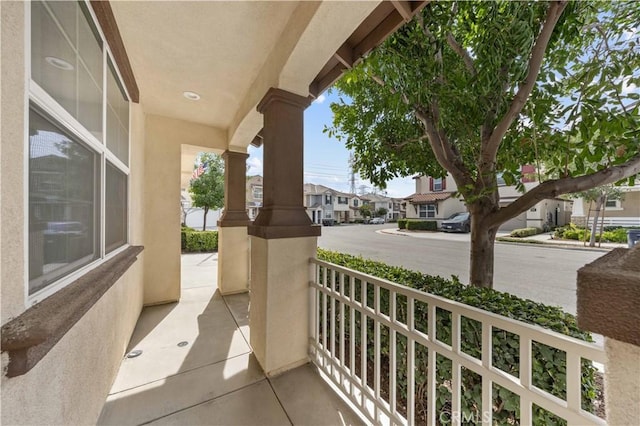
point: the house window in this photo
(427, 211)
(257, 192)
(343, 200)
(78, 147)
(355, 203)
(328, 215)
(613, 204)
(327, 199)
(437, 184)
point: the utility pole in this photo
(352, 174)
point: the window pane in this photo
(63, 206)
(66, 60)
(116, 208)
(117, 118)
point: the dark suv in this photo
(457, 222)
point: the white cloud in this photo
(320, 99)
(255, 166)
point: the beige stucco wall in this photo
(163, 139)
(622, 383)
(279, 313)
(12, 160)
(630, 206)
(70, 384)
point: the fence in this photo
(368, 336)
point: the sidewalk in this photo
(540, 239)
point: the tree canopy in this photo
(207, 190)
(477, 88)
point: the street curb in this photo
(558, 246)
(538, 244)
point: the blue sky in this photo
(326, 160)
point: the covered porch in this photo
(196, 366)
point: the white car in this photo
(377, 221)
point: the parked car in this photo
(457, 222)
(377, 221)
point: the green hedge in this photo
(402, 223)
(548, 364)
(572, 232)
(198, 241)
(525, 232)
(422, 225)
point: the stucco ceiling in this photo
(215, 49)
(232, 52)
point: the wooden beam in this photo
(345, 55)
(403, 8)
(104, 13)
(257, 141)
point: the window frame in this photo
(438, 185)
(37, 97)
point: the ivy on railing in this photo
(548, 364)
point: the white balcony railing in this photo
(398, 370)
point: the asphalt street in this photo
(541, 273)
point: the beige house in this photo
(435, 199)
(104, 106)
(623, 212)
(254, 195)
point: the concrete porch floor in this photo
(213, 379)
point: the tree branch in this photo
(441, 147)
(526, 87)
(462, 52)
(556, 187)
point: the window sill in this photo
(30, 336)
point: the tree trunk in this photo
(204, 225)
(596, 217)
(482, 249)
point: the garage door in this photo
(517, 222)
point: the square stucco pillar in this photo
(233, 240)
(608, 301)
(283, 239)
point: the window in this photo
(257, 192)
(355, 202)
(427, 211)
(328, 215)
(437, 184)
(343, 200)
(613, 204)
(78, 146)
(327, 199)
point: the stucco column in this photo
(233, 241)
(608, 300)
(283, 239)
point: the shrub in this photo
(402, 223)
(548, 364)
(422, 225)
(610, 235)
(358, 221)
(199, 241)
(525, 232)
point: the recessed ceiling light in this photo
(192, 96)
(59, 63)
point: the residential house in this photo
(436, 199)
(124, 94)
(254, 195)
(377, 202)
(399, 210)
(324, 203)
(622, 212)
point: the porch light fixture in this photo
(192, 96)
(59, 63)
